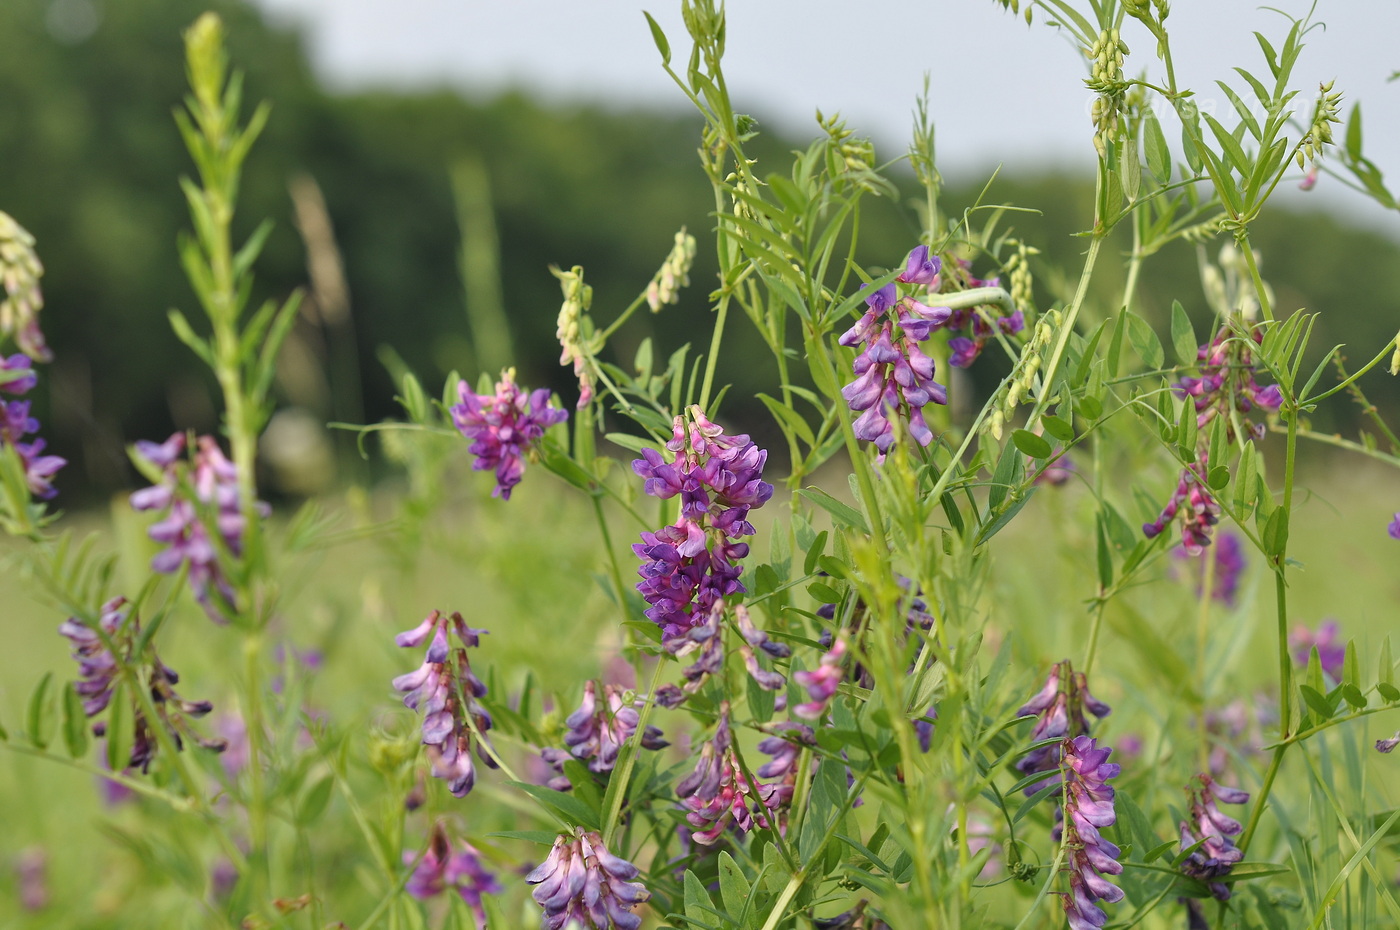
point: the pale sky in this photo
(1002, 93)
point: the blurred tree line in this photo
(89, 158)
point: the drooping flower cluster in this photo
(1088, 808)
(691, 565)
(674, 274)
(1218, 854)
(1059, 708)
(977, 325)
(504, 427)
(204, 521)
(1196, 505)
(1331, 649)
(894, 376)
(17, 377)
(445, 688)
(717, 796)
(583, 885)
(596, 732)
(460, 869)
(1228, 556)
(99, 669)
(575, 348)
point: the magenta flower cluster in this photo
(504, 427)
(693, 564)
(16, 424)
(718, 796)
(596, 732)
(976, 322)
(1196, 506)
(1227, 384)
(99, 669)
(893, 375)
(1217, 855)
(203, 517)
(460, 869)
(445, 688)
(1088, 809)
(583, 885)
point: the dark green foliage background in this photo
(88, 152)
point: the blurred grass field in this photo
(531, 571)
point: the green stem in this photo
(720, 313)
(613, 568)
(1047, 379)
(859, 461)
(1259, 291)
(623, 772)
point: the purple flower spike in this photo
(718, 797)
(16, 424)
(1229, 566)
(441, 868)
(597, 731)
(1198, 510)
(1331, 651)
(582, 884)
(203, 522)
(1088, 808)
(1218, 854)
(504, 427)
(445, 688)
(1059, 708)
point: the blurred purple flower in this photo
(1229, 566)
(32, 874)
(1331, 651)
(442, 867)
(583, 884)
(1088, 808)
(16, 424)
(1388, 745)
(821, 683)
(1393, 528)
(504, 427)
(445, 688)
(1218, 854)
(203, 520)
(1227, 385)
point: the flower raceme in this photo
(441, 867)
(17, 377)
(1217, 854)
(1088, 808)
(718, 796)
(596, 732)
(1059, 708)
(692, 564)
(203, 520)
(893, 375)
(445, 688)
(504, 427)
(583, 885)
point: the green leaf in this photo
(1129, 169)
(186, 334)
(1144, 341)
(314, 802)
(733, 885)
(39, 717)
(120, 734)
(1058, 428)
(1183, 335)
(1104, 556)
(1010, 469)
(790, 420)
(814, 553)
(1353, 143)
(698, 905)
(1031, 444)
(844, 514)
(1159, 159)
(1229, 146)
(75, 725)
(1218, 478)
(659, 37)
(1389, 692)
(1319, 704)
(822, 593)
(572, 810)
(1276, 533)
(1353, 696)
(1386, 673)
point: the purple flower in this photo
(1089, 808)
(1227, 385)
(1393, 528)
(821, 683)
(1059, 708)
(203, 521)
(1331, 651)
(445, 687)
(31, 874)
(504, 427)
(1229, 566)
(17, 377)
(717, 796)
(442, 867)
(98, 670)
(1197, 507)
(693, 564)
(597, 730)
(1217, 855)
(1388, 745)
(584, 884)
(893, 375)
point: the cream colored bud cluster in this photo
(741, 208)
(1106, 78)
(665, 287)
(578, 297)
(1320, 132)
(20, 270)
(1019, 270)
(1024, 375)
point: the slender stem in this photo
(1349, 381)
(1259, 290)
(623, 772)
(1202, 640)
(1094, 626)
(720, 313)
(859, 461)
(614, 570)
(1067, 327)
